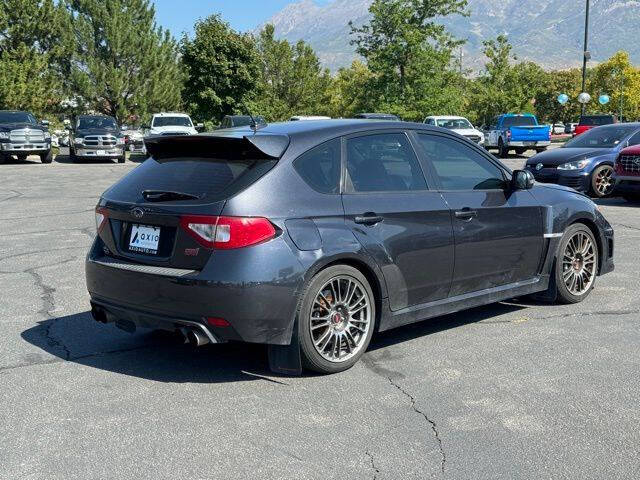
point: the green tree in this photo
(411, 56)
(352, 91)
(292, 80)
(557, 82)
(34, 48)
(222, 70)
(619, 79)
(124, 64)
(506, 85)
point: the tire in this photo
(72, 156)
(22, 158)
(573, 261)
(46, 157)
(540, 150)
(3, 158)
(337, 329)
(520, 151)
(122, 159)
(503, 152)
(601, 181)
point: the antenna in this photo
(253, 125)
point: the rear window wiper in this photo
(167, 196)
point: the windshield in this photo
(594, 120)
(171, 122)
(602, 137)
(16, 117)
(85, 123)
(524, 121)
(454, 123)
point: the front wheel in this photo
(576, 266)
(46, 157)
(602, 181)
(336, 319)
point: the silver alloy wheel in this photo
(604, 181)
(579, 263)
(340, 318)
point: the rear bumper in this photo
(530, 144)
(254, 289)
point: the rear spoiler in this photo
(228, 146)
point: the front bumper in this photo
(579, 180)
(25, 148)
(629, 185)
(105, 152)
(254, 289)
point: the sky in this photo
(243, 15)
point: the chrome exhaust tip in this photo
(197, 338)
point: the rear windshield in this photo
(207, 179)
(519, 122)
(608, 136)
(595, 120)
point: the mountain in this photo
(549, 32)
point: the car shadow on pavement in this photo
(162, 357)
(616, 202)
(156, 356)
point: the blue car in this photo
(585, 163)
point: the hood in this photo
(634, 150)
(6, 127)
(562, 188)
(96, 131)
(558, 156)
(173, 128)
(467, 131)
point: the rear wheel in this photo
(503, 151)
(576, 266)
(336, 319)
(122, 159)
(520, 151)
(22, 158)
(602, 181)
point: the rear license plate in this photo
(529, 144)
(144, 239)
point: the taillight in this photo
(549, 134)
(508, 134)
(228, 232)
(101, 219)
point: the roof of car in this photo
(446, 117)
(170, 114)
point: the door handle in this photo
(368, 219)
(466, 214)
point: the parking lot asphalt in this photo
(513, 390)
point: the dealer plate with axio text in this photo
(144, 239)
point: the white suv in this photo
(171, 124)
(459, 125)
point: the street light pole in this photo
(585, 54)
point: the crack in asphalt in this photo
(375, 469)
(48, 304)
(433, 425)
(16, 194)
(626, 226)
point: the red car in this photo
(587, 122)
(627, 174)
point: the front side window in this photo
(383, 162)
(320, 167)
(460, 167)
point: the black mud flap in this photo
(285, 359)
(550, 295)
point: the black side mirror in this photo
(522, 180)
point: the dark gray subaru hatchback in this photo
(310, 236)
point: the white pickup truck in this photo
(170, 124)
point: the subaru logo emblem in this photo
(539, 166)
(137, 212)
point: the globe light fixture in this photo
(584, 98)
(563, 98)
(604, 99)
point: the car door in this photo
(498, 232)
(405, 226)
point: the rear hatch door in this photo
(185, 176)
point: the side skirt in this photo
(445, 306)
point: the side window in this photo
(460, 167)
(635, 139)
(383, 163)
(320, 167)
(430, 121)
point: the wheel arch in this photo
(591, 225)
